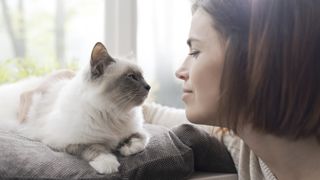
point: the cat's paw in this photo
(135, 145)
(105, 163)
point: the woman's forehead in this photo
(202, 29)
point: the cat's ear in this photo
(100, 59)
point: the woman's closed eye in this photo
(194, 53)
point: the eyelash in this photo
(194, 54)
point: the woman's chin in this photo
(197, 117)
(192, 117)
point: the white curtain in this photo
(163, 27)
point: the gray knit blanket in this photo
(171, 154)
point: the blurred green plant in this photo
(12, 70)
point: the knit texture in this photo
(165, 157)
(248, 165)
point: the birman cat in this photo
(90, 115)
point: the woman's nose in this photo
(182, 73)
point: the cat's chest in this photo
(87, 127)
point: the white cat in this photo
(90, 115)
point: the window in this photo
(163, 27)
(60, 34)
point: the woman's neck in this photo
(288, 160)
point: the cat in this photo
(96, 112)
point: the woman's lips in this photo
(186, 93)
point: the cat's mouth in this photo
(145, 91)
(142, 97)
(145, 96)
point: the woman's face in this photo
(202, 69)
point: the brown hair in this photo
(271, 76)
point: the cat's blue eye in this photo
(132, 76)
(194, 54)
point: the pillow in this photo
(170, 154)
(165, 157)
(210, 155)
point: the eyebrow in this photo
(190, 40)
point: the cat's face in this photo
(116, 81)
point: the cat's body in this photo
(90, 114)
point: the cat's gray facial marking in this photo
(130, 89)
(133, 86)
(120, 81)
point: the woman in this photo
(254, 68)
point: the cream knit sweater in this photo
(249, 166)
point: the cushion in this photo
(165, 157)
(210, 155)
(170, 154)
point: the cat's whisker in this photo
(125, 100)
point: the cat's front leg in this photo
(101, 159)
(134, 144)
(55, 143)
(105, 163)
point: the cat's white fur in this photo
(56, 120)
